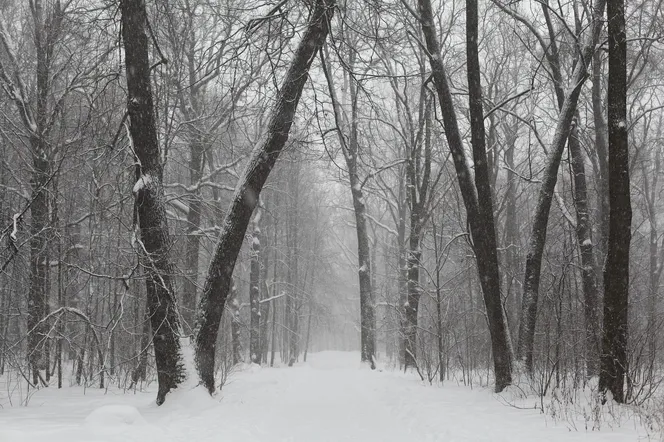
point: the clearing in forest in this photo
(328, 399)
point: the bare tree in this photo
(480, 217)
(616, 270)
(540, 222)
(149, 209)
(217, 284)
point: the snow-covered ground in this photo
(329, 399)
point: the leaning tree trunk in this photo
(217, 284)
(485, 251)
(540, 222)
(616, 271)
(583, 229)
(154, 241)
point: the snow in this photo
(141, 183)
(587, 242)
(15, 226)
(331, 398)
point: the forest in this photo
(467, 192)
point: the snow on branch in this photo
(15, 88)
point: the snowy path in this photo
(328, 400)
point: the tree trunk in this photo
(255, 292)
(140, 371)
(511, 234)
(655, 268)
(616, 271)
(486, 250)
(236, 324)
(588, 266)
(402, 263)
(217, 284)
(486, 254)
(414, 292)
(601, 148)
(37, 295)
(583, 229)
(351, 152)
(149, 201)
(294, 265)
(540, 222)
(193, 239)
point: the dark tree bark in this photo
(540, 221)
(582, 227)
(488, 247)
(616, 270)
(486, 254)
(217, 284)
(351, 152)
(511, 241)
(255, 291)
(140, 371)
(37, 294)
(149, 201)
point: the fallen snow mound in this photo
(114, 415)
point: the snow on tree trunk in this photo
(293, 279)
(418, 184)
(485, 252)
(486, 249)
(588, 266)
(154, 242)
(217, 284)
(601, 148)
(413, 297)
(255, 291)
(616, 270)
(38, 294)
(540, 221)
(367, 309)
(236, 324)
(351, 152)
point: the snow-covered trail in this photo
(328, 399)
